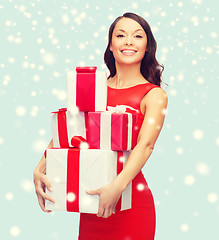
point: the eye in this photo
(138, 36)
(120, 35)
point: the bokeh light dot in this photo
(20, 111)
(198, 134)
(212, 197)
(189, 180)
(184, 227)
(15, 231)
(9, 196)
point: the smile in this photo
(128, 52)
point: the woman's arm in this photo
(41, 181)
(153, 106)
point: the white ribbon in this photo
(119, 108)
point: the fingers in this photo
(93, 192)
(45, 196)
(46, 182)
(41, 181)
(108, 213)
(105, 212)
(101, 211)
(42, 204)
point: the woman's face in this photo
(129, 41)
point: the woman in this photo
(134, 80)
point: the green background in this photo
(41, 40)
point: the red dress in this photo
(137, 223)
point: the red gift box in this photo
(114, 129)
(87, 89)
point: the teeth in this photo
(126, 51)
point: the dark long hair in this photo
(150, 68)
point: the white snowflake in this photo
(61, 95)
(212, 197)
(9, 196)
(171, 179)
(198, 134)
(177, 137)
(173, 92)
(6, 79)
(213, 34)
(163, 14)
(202, 168)
(179, 150)
(39, 145)
(42, 132)
(217, 141)
(135, 5)
(48, 58)
(189, 180)
(184, 227)
(48, 20)
(197, 1)
(200, 80)
(71, 197)
(33, 93)
(195, 20)
(34, 111)
(27, 185)
(65, 19)
(15, 231)
(140, 187)
(20, 111)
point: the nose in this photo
(128, 41)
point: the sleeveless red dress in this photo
(137, 223)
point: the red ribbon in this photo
(119, 169)
(86, 69)
(85, 88)
(61, 110)
(73, 165)
(63, 131)
(62, 128)
(77, 140)
(119, 121)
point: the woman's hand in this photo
(41, 182)
(108, 197)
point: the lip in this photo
(128, 53)
(126, 49)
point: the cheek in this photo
(143, 47)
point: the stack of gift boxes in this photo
(91, 144)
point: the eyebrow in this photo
(125, 31)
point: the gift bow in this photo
(76, 141)
(121, 109)
(61, 110)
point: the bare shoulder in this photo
(156, 97)
(155, 94)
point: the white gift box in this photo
(71, 177)
(66, 125)
(87, 89)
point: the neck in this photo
(127, 74)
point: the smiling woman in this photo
(134, 80)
